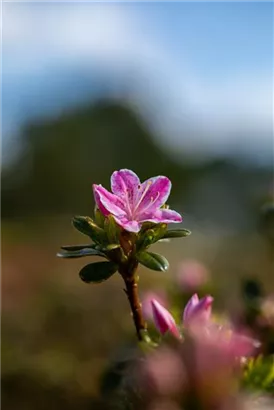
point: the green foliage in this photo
(153, 261)
(259, 374)
(115, 252)
(176, 233)
(97, 272)
(99, 217)
(85, 225)
(80, 253)
(112, 229)
(153, 233)
(150, 234)
(77, 247)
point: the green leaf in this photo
(97, 272)
(176, 233)
(80, 253)
(151, 236)
(146, 226)
(99, 217)
(111, 247)
(112, 229)
(86, 225)
(259, 374)
(159, 231)
(77, 247)
(115, 252)
(145, 240)
(153, 261)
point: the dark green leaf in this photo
(115, 252)
(176, 233)
(159, 231)
(112, 229)
(86, 225)
(76, 247)
(153, 261)
(97, 272)
(111, 247)
(99, 217)
(146, 239)
(80, 253)
(146, 226)
(151, 236)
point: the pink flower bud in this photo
(163, 320)
(147, 297)
(197, 309)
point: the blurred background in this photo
(179, 89)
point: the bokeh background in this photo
(180, 89)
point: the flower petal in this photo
(163, 320)
(108, 201)
(125, 183)
(153, 193)
(198, 310)
(130, 226)
(242, 345)
(161, 216)
(193, 301)
(98, 202)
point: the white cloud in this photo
(218, 115)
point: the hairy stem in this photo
(131, 283)
(128, 272)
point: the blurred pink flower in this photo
(191, 275)
(163, 320)
(237, 344)
(164, 372)
(198, 310)
(131, 202)
(232, 344)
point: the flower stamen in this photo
(152, 201)
(142, 196)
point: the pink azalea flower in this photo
(232, 343)
(197, 309)
(238, 344)
(131, 202)
(163, 320)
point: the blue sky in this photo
(205, 67)
(218, 37)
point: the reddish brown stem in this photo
(131, 281)
(128, 272)
(136, 307)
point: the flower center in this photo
(151, 202)
(135, 209)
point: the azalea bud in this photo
(163, 320)
(147, 297)
(197, 309)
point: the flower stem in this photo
(136, 307)
(128, 272)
